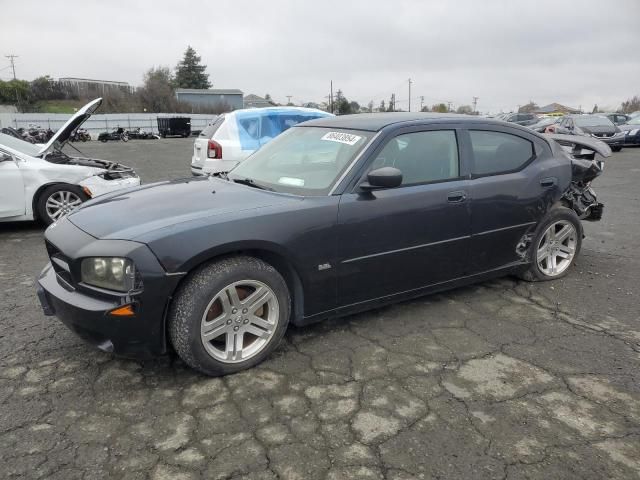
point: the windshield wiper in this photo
(251, 183)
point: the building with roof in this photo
(254, 101)
(222, 99)
(555, 108)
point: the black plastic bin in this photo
(174, 126)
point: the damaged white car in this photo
(40, 182)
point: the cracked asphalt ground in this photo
(503, 379)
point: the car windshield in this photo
(593, 121)
(19, 145)
(634, 121)
(544, 121)
(302, 160)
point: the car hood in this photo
(62, 135)
(626, 127)
(131, 213)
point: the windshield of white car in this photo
(19, 145)
(634, 121)
(302, 160)
(593, 121)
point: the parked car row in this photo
(44, 183)
(33, 134)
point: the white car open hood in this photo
(62, 135)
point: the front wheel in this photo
(229, 315)
(555, 246)
(57, 201)
(616, 149)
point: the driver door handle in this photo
(457, 197)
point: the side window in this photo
(422, 156)
(497, 152)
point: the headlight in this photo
(112, 273)
(633, 132)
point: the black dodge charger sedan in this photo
(334, 216)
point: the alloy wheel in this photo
(61, 203)
(239, 321)
(557, 248)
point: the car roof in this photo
(19, 145)
(374, 122)
(275, 110)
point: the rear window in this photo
(211, 129)
(497, 152)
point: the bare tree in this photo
(529, 107)
(631, 105)
(466, 109)
(157, 94)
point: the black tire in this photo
(103, 140)
(41, 203)
(533, 273)
(193, 297)
(616, 149)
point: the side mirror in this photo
(385, 177)
(5, 157)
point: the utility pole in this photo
(288, 99)
(475, 102)
(409, 94)
(449, 105)
(421, 102)
(331, 98)
(13, 63)
(393, 102)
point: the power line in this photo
(12, 58)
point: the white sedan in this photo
(43, 183)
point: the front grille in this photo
(603, 135)
(59, 262)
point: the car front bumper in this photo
(89, 318)
(612, 141)
(87, 311)
(99, 186)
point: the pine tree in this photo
(189, 72)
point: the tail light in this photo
(214, 149)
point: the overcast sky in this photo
(505, 52)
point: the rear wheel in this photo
(555, 246)
(57, 201)
(229, 315)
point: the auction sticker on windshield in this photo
(341, 137)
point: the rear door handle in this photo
(548, 182)
(457, 196)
